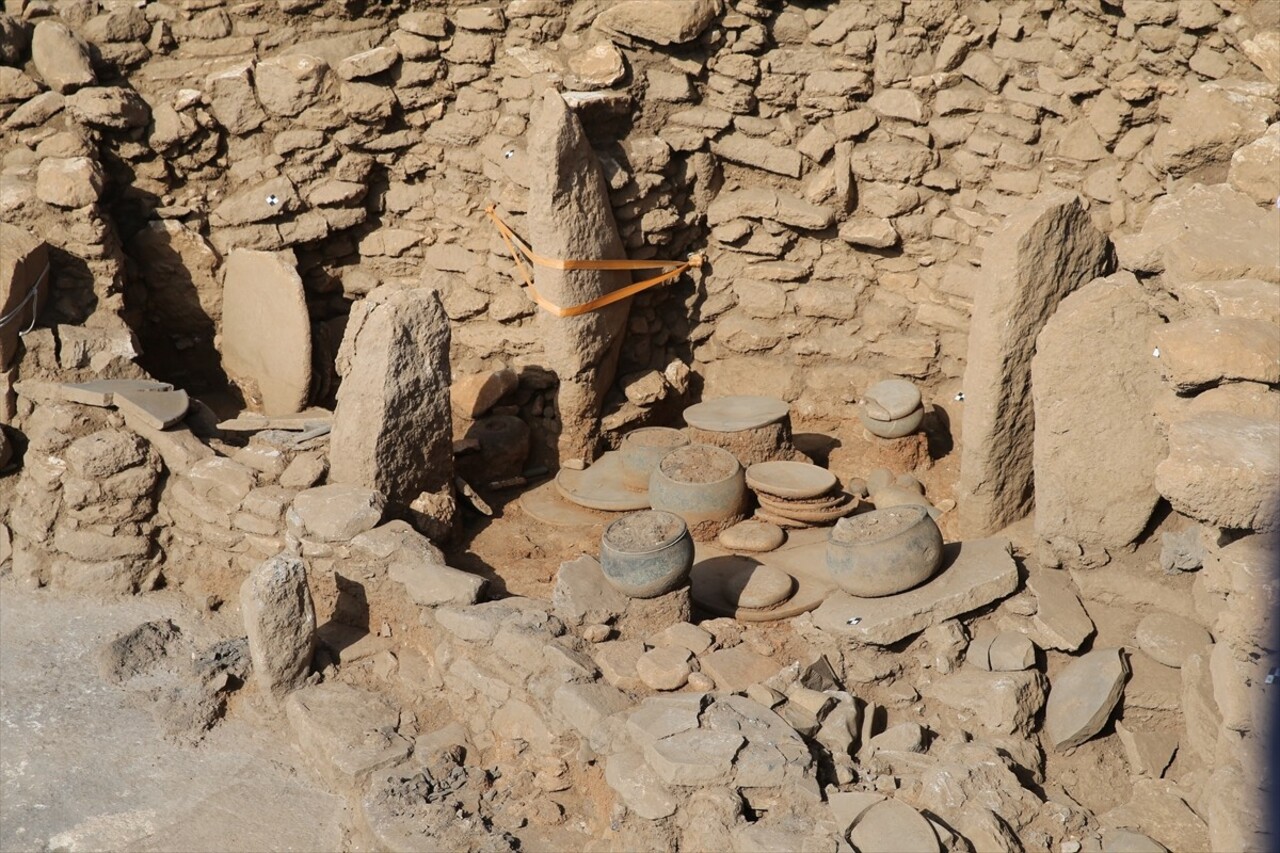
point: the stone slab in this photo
(266, 330)
(974, 574)
(101, 392)
(158, 409)
(734, 414)
(603, 486)
(795, 480)
(547, 505)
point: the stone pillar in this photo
(392, 430)
(570, 218)
(1043, 252)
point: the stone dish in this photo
(885, 551)
(646, 554)
(795, 480)
(734, 414)
(603, 486)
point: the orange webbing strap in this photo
(519, 247)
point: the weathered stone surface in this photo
(287, 85)
(866, 231)
(1060, 620)
(738, 668)
(583, 706)
(266, 330)
(1148, 753)
(973, 574)
(281, 623)
(232, 99)
(61, 58)
(693, 757)
(1043, 252)
(740, 148)
(658, 21)
(768, 203)
(346, 733)
(570, 217)
(1205, 233)
(69, 182)
(1096, 442)
(1222, 470)
(638, 786)
(582, 595)
(891, 826)
(476, 393)
(431, 584)
(23, 259)
(664, 668)
(337, 512)
(1169, 639)
(1158, 808)
(1244, 298)
(391, 427)
(1004, 702)
(1207, 350)
(1211, 122)
(1082, 697)
(111, 107)
(1255, 168)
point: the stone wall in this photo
(838, 163)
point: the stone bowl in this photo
(642, 449)
(704, 485)
(885, 551)
(892, 409)
(646, 554)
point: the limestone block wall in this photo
(839, 163)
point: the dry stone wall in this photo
(840, 164)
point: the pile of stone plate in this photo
(797, 494)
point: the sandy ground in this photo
(83, 765)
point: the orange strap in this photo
(519, 247)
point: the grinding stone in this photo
(891, 399)
(798, 480)
(753, 536)
(603, 486)
(734, 414)
(712, 566)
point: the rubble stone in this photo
(60, 57)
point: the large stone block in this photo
(23, 263)
(392, 427)
(1043, 252)
(266, 331)
(1097, 443)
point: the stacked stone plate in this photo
(797, 494)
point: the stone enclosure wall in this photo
(839, 164)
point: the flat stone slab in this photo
(738, 668)
(547, 505)
(973, 575)
(101, 392)
(796, 480)
(1082, 697)
(347, 733)
(603, 486)
(157, 409)
(266, 330)
(734, 414)
(307, 419)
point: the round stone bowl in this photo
(642, 449)
(703, 484)
(892, 409)
(646, 554)
(885, 551)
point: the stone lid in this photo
(734, 414)
(758, 587)
(891, 399)
(797, 480)
(603, 486)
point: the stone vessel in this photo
(885, 551)
(704, 485)
(646, 554)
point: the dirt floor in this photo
(84, 765)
